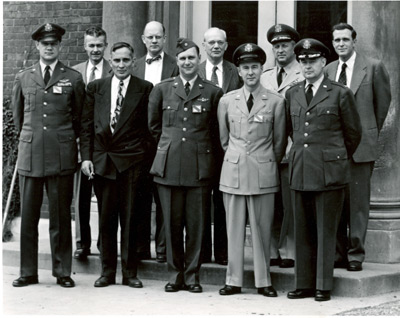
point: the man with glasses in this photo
(154, 67)
(47, 103)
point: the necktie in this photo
(187, 88)
(151, 60)
(342, 76)
(117, 112)
(92, 76)
(309, 94)
(280, 76)
(250, 102)
(47, 74)
(214, 77)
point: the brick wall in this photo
(21, 18)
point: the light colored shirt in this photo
(52, 67)
(191, 82)
(97, 72)
(114, 91)
(255, 93)
(315, 86)
(219, 71)
(349, 69)
(153, 71)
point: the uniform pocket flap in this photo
(327, 110)
(334, 154)
(66, 136)
(232, 157)
(26, 136)
(295, 111)
(31, 90)
(265, 158)
(163, 145)
(204, 148)
(169, 106)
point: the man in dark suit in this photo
(95, 43)
(183, 121)
(225, 75)
(326, 130)
(154, 67)
(114, 143)
(370, 84)
(47, 103)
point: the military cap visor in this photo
(249, 52)
(48, 30)
(282, 32)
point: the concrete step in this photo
(373, 280)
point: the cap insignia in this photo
(278, 28)
(306, 44)
(248, 47)
(185, 44)
(48, 27)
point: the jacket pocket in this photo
(336, 167)
(295, 116)
(235, 123)
(205, 161)
(267, 171)
(160, 160)
(327, 115)
(25, 150)
(68, 150)
(170, 110)
(30, 96)
(264, 124)
(230, 170)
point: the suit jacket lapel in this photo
(202, 70)
(227, 75)
(332, 70)
(196, 89)
(106, 69)
(259, 102)
(179, 89)
(301, 95)
(241, 103)
(140, 67)
(321, 93)
(58, 74)
(38, 76)
(105, 105)
(168, 66)
(359, 72)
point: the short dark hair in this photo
(120, 45)
(343, 26)
(96, 32)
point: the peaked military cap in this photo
(48, 29)
(184, 44)
(282, 32)
(310, 48)
(249, 52)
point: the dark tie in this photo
(280, 76)
(342, 76)
(117, 112)
(309, 94)
(187, 88)
(47, 74)
(214, 77)
(250, 102)
(92, 76)
(151, 60)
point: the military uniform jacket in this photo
(186, 130)
(370, 85)
(325, 134)
(254, 142)
(47, 118)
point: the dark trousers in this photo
(59, 192)
(316, 221)
(184, 208)
(116, 202)
(355, 214)
(160, 227)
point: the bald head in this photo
(215, 44)
(154, 37)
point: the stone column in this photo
(375, 23)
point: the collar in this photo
(316, 84)
(288, 68)
(350, 62)
(52, 66)
(191, 82)
(98, 66)
(115, 81)
(148, 56)
(255, 93)
(210, 66)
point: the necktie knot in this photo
(93, 74)
(187, 88)
(152, 59)
(344, 65)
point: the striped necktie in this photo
(117, 112)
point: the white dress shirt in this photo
(114, 91)
(191, 82)
(52, 67)
(315, 85)
(349, 69)
(209, 70)
(153, 71)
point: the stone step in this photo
(373, 280)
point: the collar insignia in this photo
(248, 47)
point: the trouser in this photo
(59, 192)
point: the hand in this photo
(88, 169)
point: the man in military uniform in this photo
(183, 121)
(326, 131)
(280, 78)
(47, 104)
(253, 136)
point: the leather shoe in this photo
(230, 290)
(301, 293)
(195, 288)
(221, 261)
(286, 263)
(132, 282)
(25, 281)
(267, 291)
(65, 282)
(81, 253)
(274, 262)
(172, 288)
(354, 266)
(104, 281)
(322, 295)
(161, 258)
(340, 264)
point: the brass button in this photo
(306, 123)
(183, 139)
(305, 145)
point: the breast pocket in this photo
(170, 110)
(64, 99)
(30, 96)
(327, 115)
(295, 116)
(264, 124)
(203, 116)
(235, 123)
